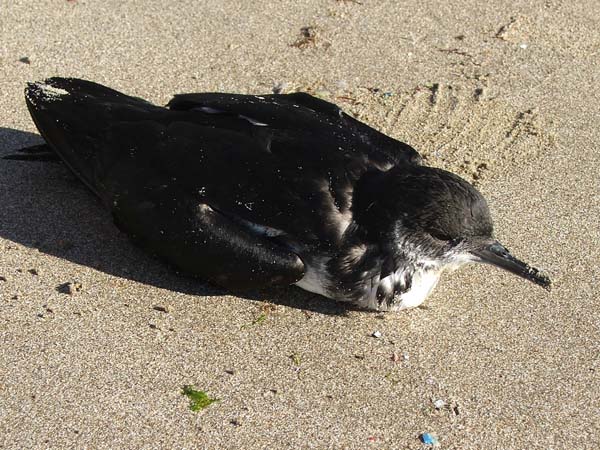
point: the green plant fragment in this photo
(198, 399)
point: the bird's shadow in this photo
(45, 207)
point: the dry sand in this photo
(505, 94)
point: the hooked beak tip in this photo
(496, 254)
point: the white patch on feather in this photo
(460, 260)
(342, 218)
(315, 277)
(263, 229)
(45, 92)
(51, 91)
(357, 252)
(423, 283)
(203, 208)
(253, 121)
(208, 110)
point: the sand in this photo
(505, 94)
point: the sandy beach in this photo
(98, 340)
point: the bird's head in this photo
(435, 218)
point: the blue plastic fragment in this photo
(428, 438)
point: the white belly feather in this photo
(316, 279)
(422, 285)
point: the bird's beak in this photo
(496, 254)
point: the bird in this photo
(250, 191)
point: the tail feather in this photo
(76, 117)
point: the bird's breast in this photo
(421, 286)
(402, 289)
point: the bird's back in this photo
(287, 162)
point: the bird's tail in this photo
(74, 116)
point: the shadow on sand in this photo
(45, 207)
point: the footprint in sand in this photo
(458, 129)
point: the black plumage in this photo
(248, 191)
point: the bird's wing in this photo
(301, 111)
(201, 241)
(131, 153)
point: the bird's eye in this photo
(454, 242)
